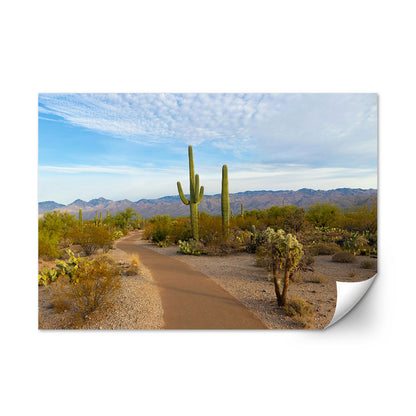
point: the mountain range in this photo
(173, 206)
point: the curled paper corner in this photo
(349, 294)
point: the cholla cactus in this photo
(284, 253)
(196, 194)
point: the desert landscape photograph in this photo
(203, 211)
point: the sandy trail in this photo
(190, 299)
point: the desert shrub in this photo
(48, 245)
(190, 247)
(323, 215)
(356, 243)
(322, 248)
(361, 218)
(60, 223)
(301, 312)
(317, 278)
(92, 285)
(54, 229)
(210, 229)
(93, 237)
(243, 223)
(343, 257)
(237, 241)
(158, 228)
(293, 219)
(368, 264)
(180, 230)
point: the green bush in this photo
(343, 257)
(180, 229)
(92, 238)
(158, 228)
(323, 215)
(210, 229)
(54, 229)
(48, 245)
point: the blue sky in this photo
(135, 145)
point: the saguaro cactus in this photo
(242, 210)
(225, 201)
(100, 222)
(196, 194)
(80, 219)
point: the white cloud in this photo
(325, 129)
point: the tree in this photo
(323, 214)
(123, 218)
(283, 252)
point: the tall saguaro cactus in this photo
(225, 201)
(196, 194)
(80, 219)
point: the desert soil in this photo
(248, 283)
(136, 306)
(139, 303)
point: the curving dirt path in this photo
(190, 299)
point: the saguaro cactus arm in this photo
(184, 199)
(201, 194)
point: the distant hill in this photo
(211, 204)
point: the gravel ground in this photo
(136, 306)
(249, 283)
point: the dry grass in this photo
(369, 264)
(343, 257)
(301, 312)
(134, 266)
(323, 249)
(297, 278)
(317, 278)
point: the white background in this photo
(365, 364)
